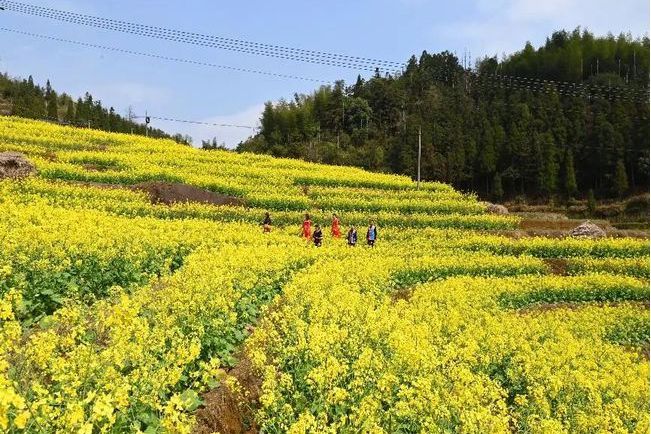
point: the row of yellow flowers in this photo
(129, 203)
(136, 361)
(86, 155)
(449, 359)
(116, 314)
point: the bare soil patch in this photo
(15, 165)
(402, 294)
(560, 228)
(169, 193)
(557, 266)
(228, 409)
(94, 167)
(493, 208)
(50, 156)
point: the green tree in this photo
(497, 191)
(592, 202)
(52, 102)
(570, 177)
(540, 141)
(621, 180)
(70, 111)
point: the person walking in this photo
(352, 237)
(307, 227)
(266, 223)
(335, 230)
(317, 236)
(371, 234)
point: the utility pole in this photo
(419, 149)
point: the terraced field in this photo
(121, 314)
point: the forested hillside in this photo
(29, 100)
(557, 121)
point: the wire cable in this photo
(161, 57)
(271, 50)
(185, 121)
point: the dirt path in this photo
(230, 408)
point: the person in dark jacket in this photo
(352, 236)
(266, 223)
(371, 234)
(317, 236)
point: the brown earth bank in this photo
(169, 193)
(15, 165)
(630, 211)
(230, 408)
(557, 266)
(560, 224)
(561, 227)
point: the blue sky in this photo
(384, 29)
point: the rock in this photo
(493, 208)
(587, 230)
(14, 165)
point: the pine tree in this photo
(570, 177)
(592, 202)
(497, 191)
(550, 165)
(70, 111)
(621, 180)
(52, 102)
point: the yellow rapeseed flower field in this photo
(117, 314)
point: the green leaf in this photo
(191, 400)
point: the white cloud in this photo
(502, 26)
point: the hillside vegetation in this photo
(497, 129)
(122, 314)
(27, 99)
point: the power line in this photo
(289, 53)
(185, 121)
(445, 74)
(257, 48)
(552, 87)
(450, 75)
(567, 85)
(161, 57)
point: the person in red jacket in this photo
(335, 230)
(307, 227)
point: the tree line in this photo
(495, 128)
(26, 99)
